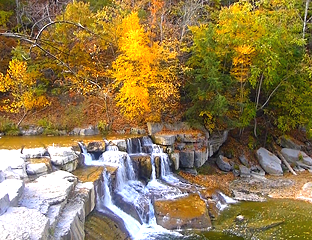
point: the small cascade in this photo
(87, 156)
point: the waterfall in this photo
(129, 200)
(87, 156)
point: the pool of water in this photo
(274, 219)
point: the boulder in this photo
(293, 156)
(224, 164)
(64, 158)
(182, 213)
(269, 162)
(289, 142)
(32, 130)
(244, 171)
(24, 223)
(165, 140)
(36, 168)
(186, 159)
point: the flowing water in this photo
(274, 219)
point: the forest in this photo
(219, 64)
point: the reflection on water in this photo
(17, 142)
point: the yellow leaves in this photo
(144, 73)
(21, 86)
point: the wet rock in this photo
(121, 144)
(293, 156)
(224, 164)
(182, 213)
(23, 223)
(247, 196)
(90, 131)
(175, 158)
(269, 162)
(186, 159)
(142, 166)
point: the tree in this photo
(144, 73)
(24, 94)
(259, 46)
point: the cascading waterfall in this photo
(130, 193)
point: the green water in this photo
(274, 219)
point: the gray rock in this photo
(75, 131)
(175, 158)
(48, 190)
(121, 144)
(137, 131)
(2, 175)
(223, 163)
(269, 162)
(244, 160)
(186, 159)
(72, 219)
(36, 168)
(200, 157)
(293, 156)
(165, 140)
(154, 128)
(4, 202)
(98, 146)
(244, 171)
(215, 141)
(247, 196)
(28, 153)
(14, 188)
(288, 142)
(64, 158)
(257, 171)
(24, 223)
